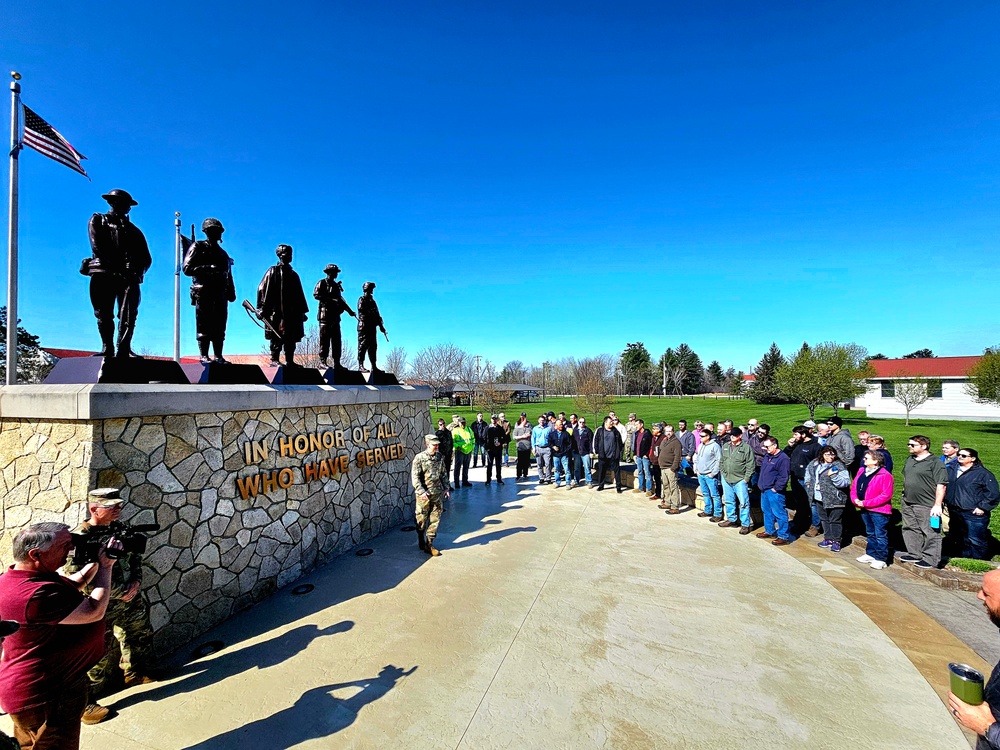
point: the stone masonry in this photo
(221, 547)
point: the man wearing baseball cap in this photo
(430, 483)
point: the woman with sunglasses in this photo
(972, 494)
(871, 493)
(826, 483)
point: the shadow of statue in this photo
(316, 714)
(209, 670)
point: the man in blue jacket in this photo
(774, 471)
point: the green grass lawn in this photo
(983, 436)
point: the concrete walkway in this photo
(553, 619)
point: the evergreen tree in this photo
(694, 372)
(636, 366)
(765, 388)
(714, 374)
(32, 363)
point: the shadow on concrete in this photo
(208, 671)
(315, 715)
(493, 536)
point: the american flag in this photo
(46, 140)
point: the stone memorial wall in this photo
(252, 486)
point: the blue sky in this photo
(535, 180)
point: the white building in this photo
(946, 384)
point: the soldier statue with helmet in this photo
(369, 320)
(282, 303)
(212, 288)
(332, 305)
(116, 269)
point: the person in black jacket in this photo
(982, 719)
(802, 449)
(479, 428)
(561, 444)
(447, 447)
(496, 439)
(583, 446)
(971, 496)
(608, 447)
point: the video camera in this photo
(132, 538)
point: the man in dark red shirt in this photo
(43, 672)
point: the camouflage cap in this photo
(106, 497)
(432, 440)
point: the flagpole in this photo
(15, 147)
(177, 286)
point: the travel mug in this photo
(935, 522)
(966, 683)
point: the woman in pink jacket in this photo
(871, 493)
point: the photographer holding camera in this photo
(128, 640)
(43, 672)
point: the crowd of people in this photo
(818, 482)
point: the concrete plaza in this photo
(558, 618)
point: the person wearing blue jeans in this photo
(583, 440)
(774, 471)
(877, 529)
(971, 496)
(540, 447)
(735, 468)
(561, 447)
(642, 441)
(706, 467)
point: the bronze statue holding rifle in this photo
(281, 305)
(369, 319)
(212, 288)
(116, 269)
(332, 305)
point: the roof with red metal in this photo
(933, 367)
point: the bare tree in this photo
(594, 385)
(438, 365)
(395, 361)
(910, 391)
(489, 397)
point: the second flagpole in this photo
(15, 147)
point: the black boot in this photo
(217, 348)
(107, 332)
(203, 351)
(420, 540)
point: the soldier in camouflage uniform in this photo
(430, 482)
(128, 640)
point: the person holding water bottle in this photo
(925, 481)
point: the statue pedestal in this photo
(343, 376)
(252, 485)
(136, 371)
(214, 373)
(284, 375)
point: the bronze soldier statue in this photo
(120, 260)
(281, 301)
(332, 305)
(369, 320)
(212, 288)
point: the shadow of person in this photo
(316, 714)
(207, 671)
(493, 536)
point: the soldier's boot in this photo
(290, 356)
(217, 348)
(203, 351)
(275, 354)
(322, 361)
(420, 539)
(107, 331)
(431, 550)
(125, 341)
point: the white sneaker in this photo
(866, 558)
(877, 565)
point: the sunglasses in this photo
(965, 455)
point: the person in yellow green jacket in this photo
(464, 442)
